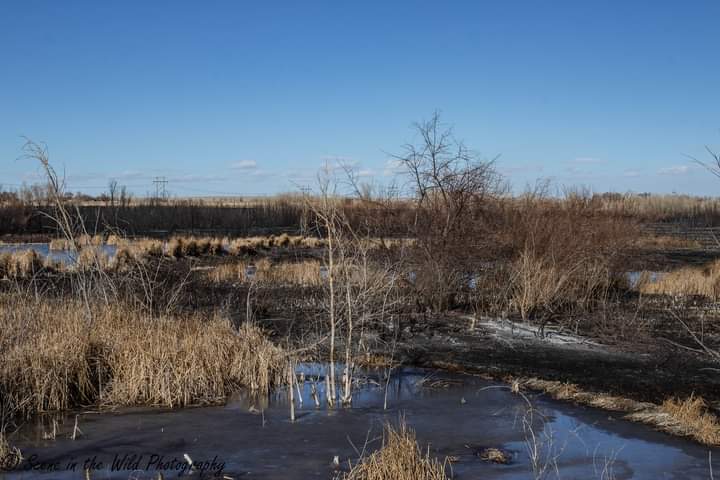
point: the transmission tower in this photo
(160, 187)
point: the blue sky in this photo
(232, 97)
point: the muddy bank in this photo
(652, 373)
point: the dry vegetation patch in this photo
(689, 417)
(704, 281)
(305, 272)
(9, 455)
(400, 458)
(57, 355)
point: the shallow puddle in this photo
(454, 416)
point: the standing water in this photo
(454, 416)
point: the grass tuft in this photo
(400, 458)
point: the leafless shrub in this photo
(450, 185)
(564, 259)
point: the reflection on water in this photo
(454, 416)
(635, 277)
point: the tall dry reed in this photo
(54, 359)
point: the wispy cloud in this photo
(631, 173)
(244, 165)
(587, 160)
(675, 170)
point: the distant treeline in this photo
(160, 219)
(290, 214)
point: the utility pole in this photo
(160, 188)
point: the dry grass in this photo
(250, 245)
(688, 418)
(541, 284)
(661, 207)
(57, 357)
(662, 242)
(495, 455)
(59, 244)
(9, 455)
(703, 281)
(400, 458)
(91, 258)
(295, 273)
(22, 264)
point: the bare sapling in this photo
(91, 273)
(291, 391)
(326, 213)
(359, 288)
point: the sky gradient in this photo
(247, 98)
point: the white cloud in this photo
(586, 160)
(244, 165)
(674, 170)
(365, 173)
(631, 173)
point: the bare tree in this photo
(112, 191)
(449, 184)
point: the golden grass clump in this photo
(704, 281)
(124, 258)
(91, 258)
(116, 240)
(58, 244)
(177, 362)
(400, 458)
(313, 242)
(175, 247)
(57, 355)
(152, 248)
(293, 273)
(242, 247)
(689, 418)
(282, 240)
(190, 247)
(21, 264)
(5, 259)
